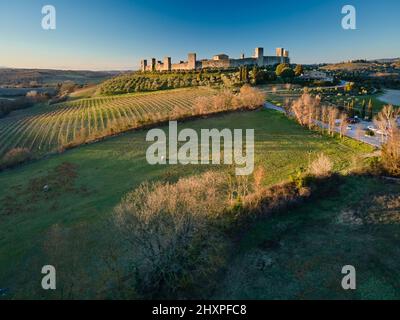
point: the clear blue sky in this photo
(109, 35)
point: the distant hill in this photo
(391, 60)
(361, 64)
(348, 66)
(43, 77)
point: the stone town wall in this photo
(214, 64)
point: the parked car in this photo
(372, 128)
(353, 120)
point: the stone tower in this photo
(153, 64)
(143, 65)
(191, 61)
(259, 55)
(279, 52)
(167, 64)
(286, 53)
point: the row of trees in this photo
(248, 98)
(32, 97)
(255, 75)
(308, 111)
(366, 110)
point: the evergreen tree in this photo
(255, 74)
(245, 74)
(351, 109)
(363, 111)
(370, 110)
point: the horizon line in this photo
(137, 68)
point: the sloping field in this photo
(349, 66)
(299, 254)
(46, 128)
(88, 182)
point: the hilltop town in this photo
(217, 61)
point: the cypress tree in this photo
(363, 111)
(255, 74)
(370, 110)
(351, 109)
(246, 74)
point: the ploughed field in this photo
(45, 129)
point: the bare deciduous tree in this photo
(306, 110)
(343, 125)
(385, 121)
(332, 116)
(325, 115)
(163, 224)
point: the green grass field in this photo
(87, 182)
(376, 103)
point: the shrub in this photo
(15, 157)
(223, 101)
(321, 167)
(201, 105)
(272, 199)
(250, 97)
(369, 133)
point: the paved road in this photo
(373, 141)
